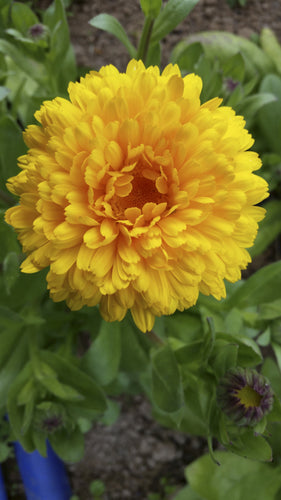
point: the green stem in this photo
(33, 350)
(145, 39)
(155, 338)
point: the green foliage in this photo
(53, 382)
(237, 478)
(37, 60)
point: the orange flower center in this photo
(144, 191)
(144, 184)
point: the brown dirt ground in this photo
(95, 48)
(134, 454)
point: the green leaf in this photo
(269, 228)
(111, 414)
(166, 380)
(40, 443)
(76, 378)
(15, 411)
(211, 76)
(264, 339)
(153, 57)
(3, 93)
(134, 358)
(28, 415)
(187, 494)
(5, 451)
(10, 133)
(234, 67)
(189, 353)
(275, 414)
(269, 311)
(225, 358)
(251, 446)
(269, 117)
(26, 64)
(9, 321)
(222, 45)
(234, 322)
(11, 270)
(198, 396)
(237, 478)
(277, 351)
(170, 16)
(252, 104)
(271, 46)
(272, 372)
(261, 287)
(110, 24)
(23, 17)
(188, 57)
(248, 353)
(11, 368)
(69, 446)
(102, 360)
(151, 7)
(61, 391)
(184, 325)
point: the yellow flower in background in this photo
(136, 195)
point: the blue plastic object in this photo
(43, 478)
(3, 495)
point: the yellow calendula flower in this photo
(136, 195)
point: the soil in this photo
(134, 455)
(94, 48)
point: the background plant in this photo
(58, 369)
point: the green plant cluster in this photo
(60, 370)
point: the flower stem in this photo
(155, 338)
(34, 351)
(145, 39)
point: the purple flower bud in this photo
(37, 31)
(49, 417)
(52, 423)
(230, 84)
(245, 396)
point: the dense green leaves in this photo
(68, 373)
(76, 358)
(237, 478)
(223, 45)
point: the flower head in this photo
(136, 195)
(245, 396)
(50, 417)
(37, 31)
